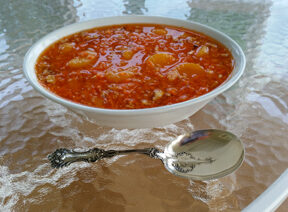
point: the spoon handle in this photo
(64, 157)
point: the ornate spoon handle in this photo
(64, 157)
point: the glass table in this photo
(31, 127)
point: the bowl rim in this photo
(143, 111)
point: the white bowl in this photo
(135, 118)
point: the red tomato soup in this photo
(133, 66)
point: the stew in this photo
(133, 66)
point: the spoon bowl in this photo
(204, 154)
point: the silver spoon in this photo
(201, 155)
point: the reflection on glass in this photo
(134, 7)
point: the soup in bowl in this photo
(134, 71)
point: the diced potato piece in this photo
(158, 93)
(89, 54)
(127, 54)
(47, 72)
(120, 48)
(161, 59)
(173, 74)
(202, 51)
(159, 31)
(145, 102)
(97, 101)
(224, 54)
(190, 39)
(78, 62)
(209, 71)
(183, 97)
(211, 44)
(119, 75)
(172, 91)
(66, 47)
(190, 69)
(190, 52)
(85, 58)
(51, 79)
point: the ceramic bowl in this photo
(135, 118)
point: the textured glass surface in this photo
(31, 127)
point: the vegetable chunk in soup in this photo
(133, 66)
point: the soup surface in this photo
(133, 66)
